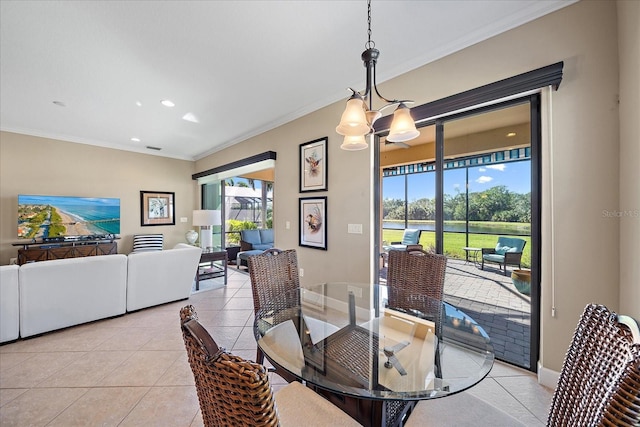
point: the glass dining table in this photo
(373, 351)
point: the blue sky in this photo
(516, 176)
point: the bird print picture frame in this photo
(313, 165)
(313, 222)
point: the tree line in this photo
(497, 204)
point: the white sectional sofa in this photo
(66, 292)
(44, 296)
(157, 277)
(9, 303)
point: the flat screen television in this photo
(62, 216)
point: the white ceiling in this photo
(240, 67)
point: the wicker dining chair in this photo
(415, 273)
(274, 274)
(599, 382)
(235, 391)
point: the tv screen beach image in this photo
(62, 216)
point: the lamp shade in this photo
(354, 143)
(403, 128)
(206, 217)
(353, 121)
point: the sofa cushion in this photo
(263, 246)
(251, 236)
(266, 236)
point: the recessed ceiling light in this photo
(190, 117)
(167, 103)
(59, 103)
(134, 139)
(511, 134)
(139, 104)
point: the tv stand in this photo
(45, 251)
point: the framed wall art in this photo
(313, 222)
(313, 165)
(157, 208)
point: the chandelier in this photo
(358, 119)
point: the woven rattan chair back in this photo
(273, 273)
(231, 390)
(413, 273)
(274, 282)
(599, 384)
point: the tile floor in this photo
(132, 370)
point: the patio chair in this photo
(508, 251)
(235, 391)
(599, 383)
(410, 236)
(272, 273)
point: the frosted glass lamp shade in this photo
(403, 128)
(354, 143)
(354, 120)
(206, 217)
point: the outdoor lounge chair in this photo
(411, 236)
(508, 251)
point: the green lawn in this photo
(454, 242)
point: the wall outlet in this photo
(287, 225)
(183, 219)
(13, 261)
(354, 228)
(301, 272)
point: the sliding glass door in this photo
(467, 181)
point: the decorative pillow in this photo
(500, 250)
(410, 237)
(513, 250)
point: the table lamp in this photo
(205, 219)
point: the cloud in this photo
(482, 170)
(484, 179)
(500, 167)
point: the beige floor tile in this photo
(179, 373)
(143, 368)
(533, 396)
(129, 339)
(36, 369)
(37, 407)
(214, 319)
(165, 406)
(101, 407)
(88, 370)
(494, 394)
(9, 360)
(8, 394)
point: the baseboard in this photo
(547, 377)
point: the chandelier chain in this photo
(370, 43)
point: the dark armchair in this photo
(508, 251)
